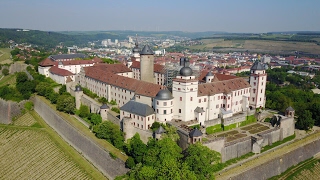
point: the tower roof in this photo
(164, 94)
(146, 50)
(257, 66)
(209, 73)
(186, 71)
(195, 133)
(160, 130)
(104, 106)
(289, 109)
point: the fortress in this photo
(206, 100)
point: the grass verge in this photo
(266, 148)
(7, 80)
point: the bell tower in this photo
(258, 80)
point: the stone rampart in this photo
(279, 164)
(113, 118)
(17, 67)
(98, 156)
(9, 109)
(236, 149)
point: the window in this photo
(261, 90)
(180, 98)
(255, 78)
(253, 99)
(228, 105)
(254, 83)
(171, 102)
(217, 106)
(157, 110)
(254, 90)
(260, 99)
(218, 97)
(164, 103)
(138, 117)
(171, 110)
(179, 89)
(205, 99)
(134, 116)
(190, 98)
(157, 102)
(179, 110)
(191, 89)
(164, 111)
(148, 118)
(199, 100)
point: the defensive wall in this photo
(9, 109)
(97, 155)
(252, 143)
(279, 164)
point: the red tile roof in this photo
(134, 85)
(48, 62)
(61, 72)
(225, 86)
(156, 67)
(113, 68)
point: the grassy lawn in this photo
(10, 79)
(75, 123)
(5, 55)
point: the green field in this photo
(5, 56)
(262, 46)
(30, 149)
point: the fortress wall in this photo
(114, 119)
(280, 164)
(216, 144)
(17, 67)
(184, 139)
(270, 136)
(98, 156)
(237, 149)
(287, 125)
(9, 109)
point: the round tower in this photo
(185, 93)
(163, 104)
(104, 111)
(209, 77)
(147, 64)
(127, 128)
(78, 94)
(258, 79)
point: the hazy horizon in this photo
(245, 16)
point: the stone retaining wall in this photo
(280, 164)
(9, 109)
(98, 156)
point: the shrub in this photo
(112, 155)
(117, 110)
(5, 72)
(113, 102)
(130, 162)
(28, 105)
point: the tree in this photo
(171, 132)
(95, 119)
(155, 126)
(305, 121)
(5, 72)
(202, 160)
(21, 77)
(110, 132)
(137, 148)
(130, 162)
(66, 104)
(63, 89)
(84, 110)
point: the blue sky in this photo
(162, 15)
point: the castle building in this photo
(211, 97)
